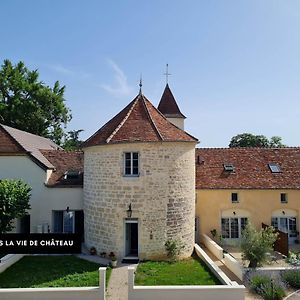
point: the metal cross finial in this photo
(141, 84)
(167, 73)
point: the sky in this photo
(234, 64)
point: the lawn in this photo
(51, 271)
(191, 271)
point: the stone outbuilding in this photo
(139, 184)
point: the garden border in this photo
(231, 290)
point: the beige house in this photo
(236, 185)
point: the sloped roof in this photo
(18, 141)
(139, 121)
(168, 106)
(64, 161)
(251, 168)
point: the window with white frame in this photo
(131, 164)
(232, 227)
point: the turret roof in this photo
(168, 106)
(139, 121)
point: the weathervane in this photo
(167, 73)
(141, 84)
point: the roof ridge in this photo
(123, 121)
(249, 148)
(150, 118)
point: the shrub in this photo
(256, 244)
(292, 278)
(173, 249)
(293, 258)
(268, 288)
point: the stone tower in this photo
(139, 184)
(169, 108)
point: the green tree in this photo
(26, 103)
(72, 141)
(256, 244)
(276, 142)
(251, 140)
(14, 201)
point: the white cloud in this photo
(121, 87)
(66, 71)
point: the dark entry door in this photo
(25, 224)
(79, 223)
(132, 239)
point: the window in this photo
(232, 227)
(275, 168)
(283, 198)
(64, 222)
(131, 164)
(71, 174)
(234, 197)
(228, 168)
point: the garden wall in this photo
(212, 246)
(230, 262)
(8, 260)
(229, 291)
(74, 293)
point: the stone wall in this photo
(162, 197)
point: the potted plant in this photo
(93, 251)
(113, 258)
(103, 254)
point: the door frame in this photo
(131, 221)
(291, 240)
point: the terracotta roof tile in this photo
(64, 161)
(139, 121)
(251, 168)
(168, 106)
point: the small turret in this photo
(169, 108)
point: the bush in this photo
(256, 244)
(173, 249)
(293, 258)
(292, 278)
(268, 288)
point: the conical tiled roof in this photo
(168, 106)
(139, 121)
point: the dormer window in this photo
(228, 167)
(275, 168)
(131, 164)
(71, 174)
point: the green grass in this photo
(51, 271)
(191, 271)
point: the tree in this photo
(26, 103)
(256, 244)
(72, 141)
(251, 140)
(14, 201)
